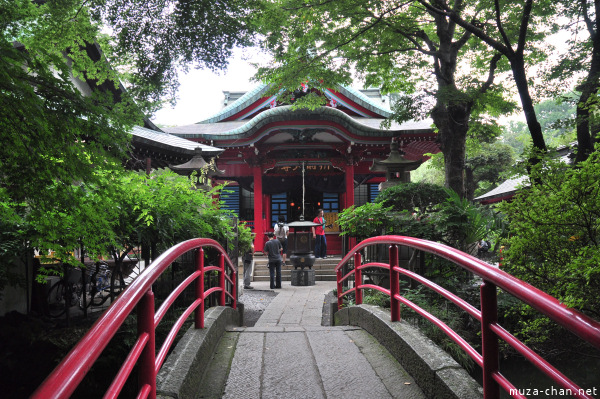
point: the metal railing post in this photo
(234, 289)
(394, 284)
(357, 279)
(489, 340)
(223, 296)
(147, 373)
(199, 312)
(340, 288)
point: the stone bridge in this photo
(297, 350)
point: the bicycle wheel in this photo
(98, 290)
(117, 283)
(57, 303)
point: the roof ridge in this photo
(244, 101)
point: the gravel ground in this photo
(255, 302)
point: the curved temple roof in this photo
(164, 141)
(255, 101)
(369, 127)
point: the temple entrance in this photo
(289, 204)
(312, 201)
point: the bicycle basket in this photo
(72, 274)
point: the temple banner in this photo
(331, 218)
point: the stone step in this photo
(263, 266)
(288, 277)
(287, 274)
(324, 269)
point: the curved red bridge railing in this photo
(65, 378)
(578, 323)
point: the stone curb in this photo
(182, 372)
(434, 371)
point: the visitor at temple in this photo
(319, 236)
(248, 258)
(282, 230)
(273, 250)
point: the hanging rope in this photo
(303, 190)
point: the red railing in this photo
(579, 324)
(65, 378)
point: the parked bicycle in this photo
(101, 285)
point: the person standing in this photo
(273, 250)
(319, 236)
(281, 231)
(248, 259)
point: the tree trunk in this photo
(585, 140)
(535, 129)
(469, 184)
(453, 124)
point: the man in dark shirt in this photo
(273, 250)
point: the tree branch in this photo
(524, 25)
(496, 45)
(586, 17)
(493, 65)
(457, 45)
(378, 19)
(500, 26)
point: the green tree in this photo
(511, 30)
(583, 56)
(555, 237)
(401, 47)
(557, 223)
(557, 118)
(486, 166)
(417, 198)
(54, 133)
(365, 221)
(63, 145)
(420, 210)
(155, 39)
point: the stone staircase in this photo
(324, 269)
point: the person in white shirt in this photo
(281, 230)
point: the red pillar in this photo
(259, 228)
(349, 196)
(349, 186)
(267, 209)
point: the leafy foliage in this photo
(401, 47)
(364, 221)
(555, 233)
(65, 117)
(582, 55)
(449, 314)
(557, 119)
(421, 210)
(417, 198)
(487, 166)
(153, 38)
(462, 222)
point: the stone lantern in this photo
(204, 170)
(396, 167)
(302, 255)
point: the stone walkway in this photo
(288, 354)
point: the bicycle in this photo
(66, 292)
(104, 284)
(70, 290)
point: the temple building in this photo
(280, 161)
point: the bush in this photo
(554, 240)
